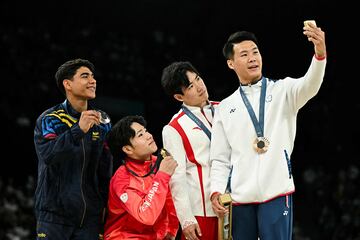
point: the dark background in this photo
(131, 41)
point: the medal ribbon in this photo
(198, 121)
(153, 168)
(259, 125)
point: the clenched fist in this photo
(168, 165)
(88, 119)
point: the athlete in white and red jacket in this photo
(187, 138)
(253, 138)
(140, 204)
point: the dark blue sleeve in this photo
(56, 138)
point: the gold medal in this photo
(261, 144)
(164, 153)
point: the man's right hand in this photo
(88, 119)
(216, 206)
(168, 165)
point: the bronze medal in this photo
(261, 144)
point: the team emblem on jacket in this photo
(95, 136)
(269, 98)
(124, 197)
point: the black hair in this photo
(174, 77)
(68, 69)
(237, 37)
(121, 133)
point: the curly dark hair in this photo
(68, 69)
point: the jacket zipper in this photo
(259, 160)
(81, 184)
(259, 157)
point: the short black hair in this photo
(174, 77)
(68, 69)
(237, 37)
(121, 133)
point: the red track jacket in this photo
(140, 208)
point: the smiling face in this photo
(246, 62)
(142, 144)
(196, 93)
(82, 85)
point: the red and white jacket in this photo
(190, 147)
(140, 207)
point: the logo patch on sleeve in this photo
(124, 197)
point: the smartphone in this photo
(306, 23)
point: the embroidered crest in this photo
(95, 136)
(124, 197)
(268, 98)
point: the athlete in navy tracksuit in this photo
(74, 165)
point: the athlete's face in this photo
(142, 144)
(246, 62)
(82, 86)
(196, 93)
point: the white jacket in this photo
(190, 184)
(257, 177)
